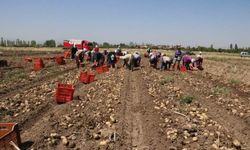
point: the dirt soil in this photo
(146, 109)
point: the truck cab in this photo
(80, 44)
(244, 54)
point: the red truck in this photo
(80, 44)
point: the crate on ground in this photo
(99, 69)
(60, 60)
(38, 64)
(9, 132)
(105, 68)
(102, 69)
(64, 93)
(183, 69)
(87, 77)
(84, 77)
(91, 77)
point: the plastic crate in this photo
(105, 68)
(60, 60)
(38, 64)
(99, 70)
(84, 77)
(9, 132)
(64, 93)
(183, 69)
(91, 77)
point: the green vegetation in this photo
(167, 80)
(50, 43)
(235, 81)
(4, 112)
(219, 90)
(186, 99)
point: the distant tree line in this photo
(233, 48)
(24, 43)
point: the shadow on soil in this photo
(26, 145)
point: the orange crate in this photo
(60, 60)
(9, 132)
(67, 54)
(64, 93)
(84, 77)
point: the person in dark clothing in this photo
(177, 59)
(99, 59)
(111, 59)
(73, 52)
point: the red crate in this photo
(60, 60)
(105, 68)
(64, 93)
(9, 132)
(99, 70)
(84, 77)
(91, 77)
(183, 69)
(38, 64)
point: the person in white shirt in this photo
(128, 61)
(165, 62)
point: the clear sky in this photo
(186, 22)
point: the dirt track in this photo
(139, 110)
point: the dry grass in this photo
(29, 49)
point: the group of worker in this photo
(133, 59)
(168, 63)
